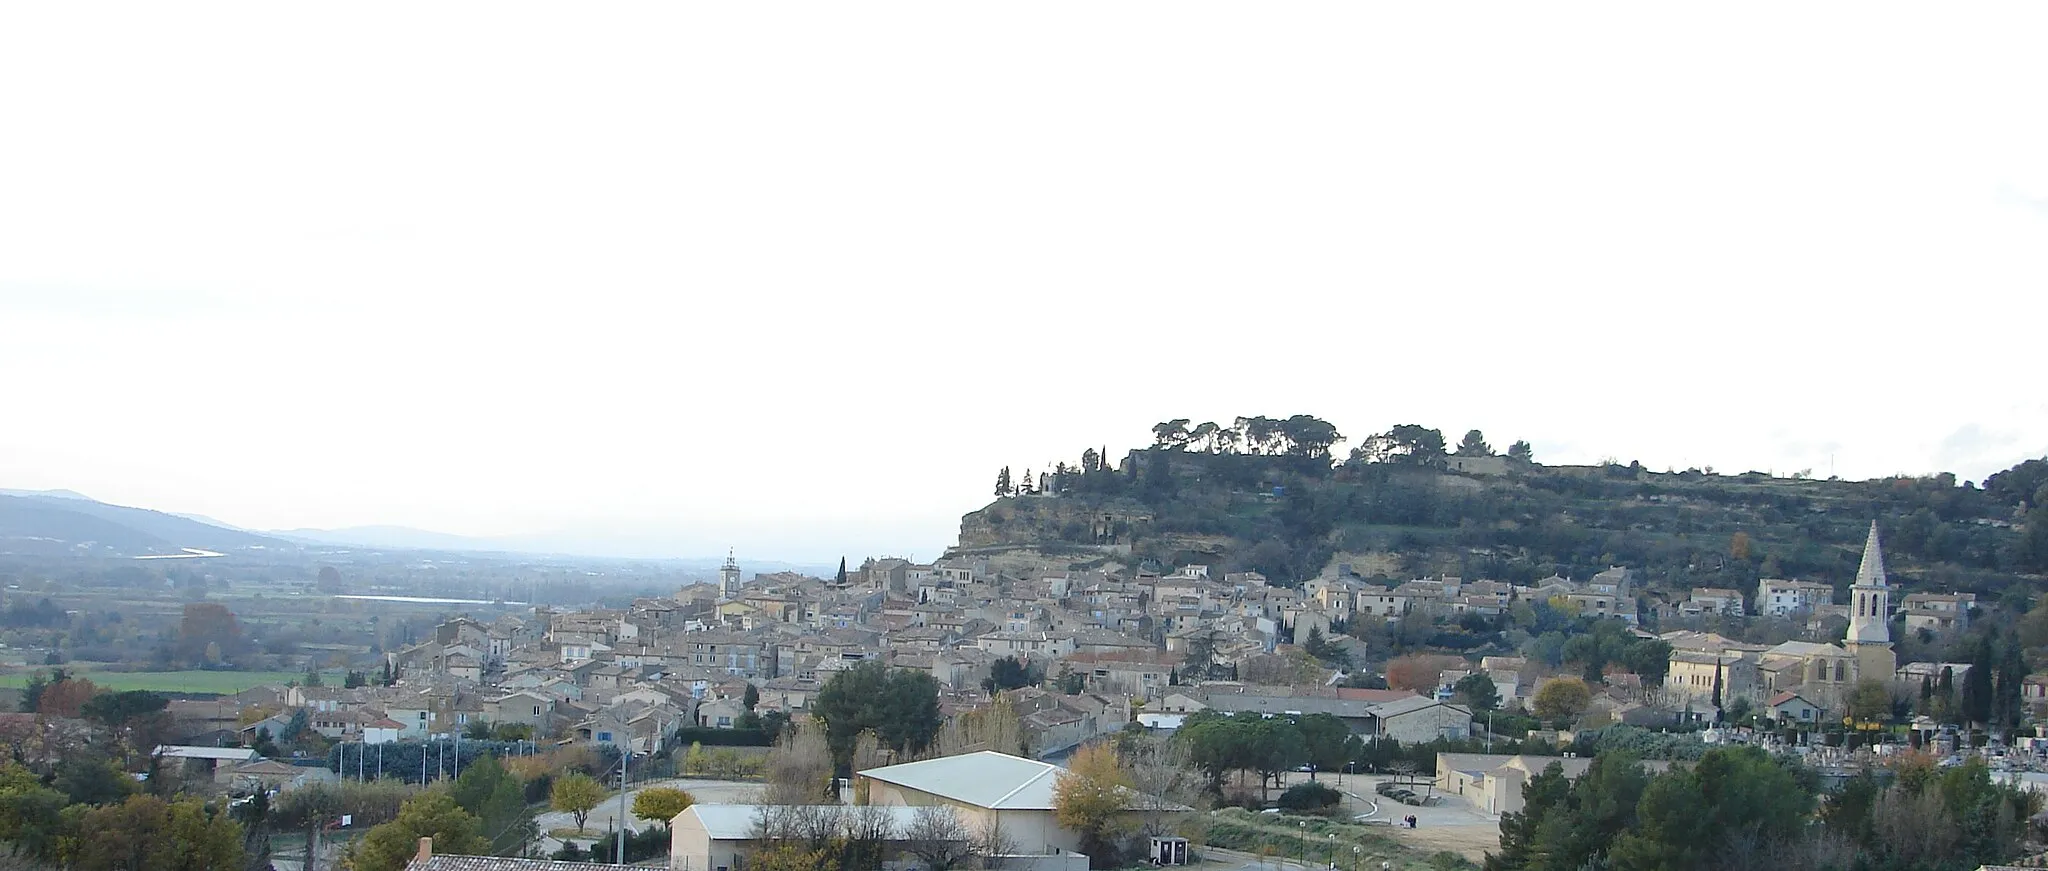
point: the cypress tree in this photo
(1977, 695)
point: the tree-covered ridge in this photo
(1271, 495)
(1741, 808)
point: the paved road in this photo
(607, 812)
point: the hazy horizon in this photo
(798, 281)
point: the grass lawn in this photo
(223, 682)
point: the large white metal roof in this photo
(985, 779)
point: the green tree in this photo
(497, 799)
(900, 705)
(1003, 485)
(1474, 445)
(1520, 450)
(1009, 673)
(1407, 444)
(430, 814)
(576, 794)
(2008, 705)
(1870, 702)
(1477, 691)
(1600, 807)
(1328, 741)
(147, 833)
(89, 780)
(661, 804)
(1977, 689)
(1277, 748)
(1544, 794)
(1171, 434)
(31, 814)
(1687, 819)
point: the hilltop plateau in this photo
(1269, 495)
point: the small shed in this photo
(1168, 851)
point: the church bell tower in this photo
(729, 578)
(1870, 633)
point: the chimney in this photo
(426, 850)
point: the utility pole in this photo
(625, 759)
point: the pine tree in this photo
(1003, 486)
(841, 578)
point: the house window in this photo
(724, 722)
(604, 736)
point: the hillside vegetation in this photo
(1289, 507)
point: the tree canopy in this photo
(899, 705)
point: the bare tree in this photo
(996, 727)
(938, 836)
(867, 753)
(868, 829)
(992, 843)
(813, 825)
(1165, 783)
(799, 768)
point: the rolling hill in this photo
(47, 524)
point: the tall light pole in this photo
(625, 758)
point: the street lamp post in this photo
(1304, 843)
(1332, 854)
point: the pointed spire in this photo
(1871, 572)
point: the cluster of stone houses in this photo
(1608, 593)
(1802, 681)
(630, 676)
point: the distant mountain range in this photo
(63, 522)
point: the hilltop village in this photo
(1141, 634)
(1080, 655)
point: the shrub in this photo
(1310, 796)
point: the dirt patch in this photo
(1471, 842)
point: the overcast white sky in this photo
(799, 278)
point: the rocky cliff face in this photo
(1037, 520)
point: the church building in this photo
(1824, 674)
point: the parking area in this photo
(1447, 823)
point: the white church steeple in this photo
(1870, 597)
(1870, 632)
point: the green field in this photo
(223, 682)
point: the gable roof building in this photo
(985, 788)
